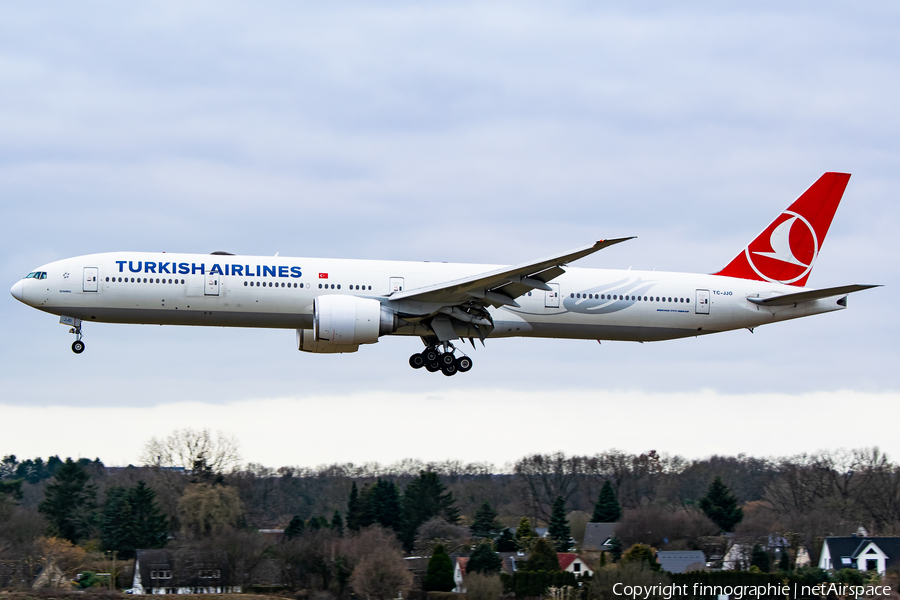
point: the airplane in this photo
(337, 305)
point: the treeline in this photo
(801, 498)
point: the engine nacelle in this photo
(342, 323)
(306, 342)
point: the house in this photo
(161, 572)
(459, 574)
(598, 536)
(571, 562)
(681, 561)
(418, 566)
(50, 577)
(862, 553)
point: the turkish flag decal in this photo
(323, 275)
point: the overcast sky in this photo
(485, 132)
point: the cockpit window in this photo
(43, 275)
(37, 275)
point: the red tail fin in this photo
(786, 250)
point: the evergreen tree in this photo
(759, 558)
(506, 542)
(295, 528)
(484, 560)
(785, 563)
(721, 506)
(543, 557)
(485, 524)
(11, 489)
(314, 524)
(615, 549)
(439, 576)
(525, 535)
(69, 502)
(355, 513)
(642, 553)
(149, 526)
(425, 497)
(130, 519)
(379, 504)
(337, 523)
(607, 509)
(559, 530)
(115, 519)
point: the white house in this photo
(862, 553)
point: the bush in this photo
(483, 587)
(530, 584)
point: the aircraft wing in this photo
(809, 295)
(502, 286)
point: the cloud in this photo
(481, 425)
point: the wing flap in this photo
(514, 280)
(810, 295)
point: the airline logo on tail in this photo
(791, 242)
(786, 250)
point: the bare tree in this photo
(381, 576)
(436, 531)
(548, 476)
(189, 448)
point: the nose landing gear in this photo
(443, 360)
(77, 345)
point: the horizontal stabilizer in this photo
(810, 295)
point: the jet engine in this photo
(343, 323)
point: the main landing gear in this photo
(443, 360)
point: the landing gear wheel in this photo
(416, 361)
(449, 369)
(78, 347)
(433, 366)
(446, 359)
(463, 364)
(430, 355)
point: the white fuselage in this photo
(278, 292)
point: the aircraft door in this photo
(551, 299)
(91, 279)
(212, 285)
(396, 284)
(702, 302)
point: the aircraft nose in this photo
(18, 290)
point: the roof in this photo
(851, 547)
(597, 534)
(461, 563)
(512, 561)
(678, 561)
(567, 558)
